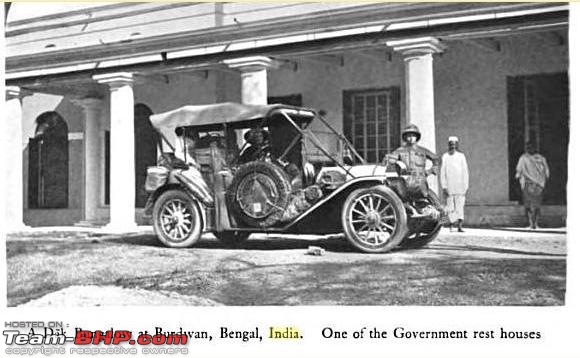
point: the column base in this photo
(90, 223)
(116, 228)
(13, 229)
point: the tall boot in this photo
(460, 225)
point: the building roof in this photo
(99, 38)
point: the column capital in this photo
(252, 63)
(417, 46)
(13, 92)
(88, 103)
(116, 79)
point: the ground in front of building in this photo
(479, 267)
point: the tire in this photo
(177, 219)
(259, 194)
(418, 240)
(232, 238)
(378, 210)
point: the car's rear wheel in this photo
(232, 238)
(177, 219)
(374, 219)
(420, 239)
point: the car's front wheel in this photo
(177, 219)
(374, 219)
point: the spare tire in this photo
(259, 193)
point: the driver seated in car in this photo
(258, 148)
(415, 159)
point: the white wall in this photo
(471, 102)
(163, 94)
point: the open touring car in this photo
(234, 170)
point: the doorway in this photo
(538, 112)
(48, 162)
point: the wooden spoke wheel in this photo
(374, 219)
(177, 219)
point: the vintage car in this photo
(285, 178)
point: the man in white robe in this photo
(454, 182)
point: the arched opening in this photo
(146, 140)
(48, 163)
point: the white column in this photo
(419, 90)
(92, 108)
(13, 198)
(254, 72)
(122, 180)
(3, 127)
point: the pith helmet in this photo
(249, 135)
(411, 129)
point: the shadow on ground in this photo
(275, 271)
(476, 248)
(374, 283)
(272, 242)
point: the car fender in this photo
(193, 181)
(353, 184)
(148, 211)
(324, 215)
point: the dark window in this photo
(48, 163)
(538, 112)
(372, 121)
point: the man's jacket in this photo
(415, 158)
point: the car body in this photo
(295, 182)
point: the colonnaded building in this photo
(82, 80)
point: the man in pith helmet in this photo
(415, 158)
(454, 182)
(258, 145)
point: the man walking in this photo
(532, 171)
(454, 182)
